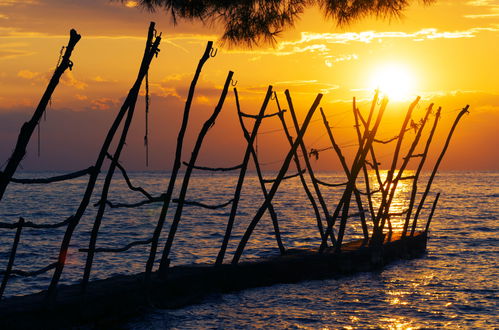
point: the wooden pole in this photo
(356, 166)
(343, 162)
(104, 194)
(393, 187)
(418, 172)
(29, 127)
(435, 169)
(12, 257)
(163, 266)
(258, 169)
(277, 182)
(242, 174)
(384, 206)
(176, 164)
(364, 170)
(148, 55)
(427, 227)
(299, 169)
(309, 167)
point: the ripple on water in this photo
(454, 286)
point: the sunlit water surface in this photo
(454, 286)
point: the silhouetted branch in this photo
(33, 273)
(54, 178)
(29, 224)
(264, 116)
(28, 127)
(121, 249)
(323, 183)
(176, 164)
(12, 257)
(214, 169)
(127, 179)
(206, 206)
(286, 177)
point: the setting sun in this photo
(394, 81)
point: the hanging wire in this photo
(38, 129)
(146, 136)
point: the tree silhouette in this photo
(252, 22)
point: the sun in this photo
(395, 81)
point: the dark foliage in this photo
(253, 22)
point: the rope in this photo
(146, 136)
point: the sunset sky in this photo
(446, 53)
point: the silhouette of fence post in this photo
(356, 166)
(343, 162)
(380, 217)
(277, 181)
(393, 185)
(357, 115)
(176, 163)
(242, 173)
(309, 166)
(12, 257)
(418, 172)
(298, 167)
(250, 141)
(149, 53)
(435, 169)
(163, 267)
(28, 127)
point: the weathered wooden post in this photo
(250, 141)
(356, 166)
(418, 172)
(377, 230)
(435, 169)
(277, 181)
(176, 163)
(343, 162)
(242, 174)
(299, 168)
(392, 188)
(28, 127)
(149, 53)
(12, 256)
(163, 267)
(309, 167)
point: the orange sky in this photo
(449, 52)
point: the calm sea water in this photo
(454, 286)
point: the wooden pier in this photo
(114, 300)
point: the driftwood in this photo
(215, 169)
(347, 171)
(385, 204)
(254, 155)
(53, 179)
(435, 168)
(406, 160)
(148, 55)
(12, 257)
(28, 127)
(418, 172)
(183, 190)
(359, 159)
(275, 185)
(299, 168)
(237, 194)
(176, 163)
(310, 171)
(427, 227)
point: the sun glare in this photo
(394, 81)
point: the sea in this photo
(454, 285)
